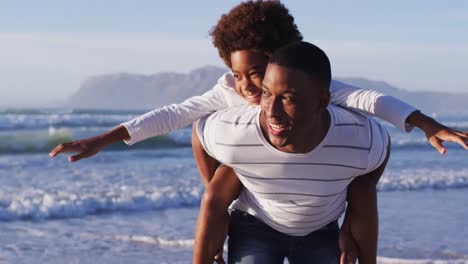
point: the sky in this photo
(48, 48)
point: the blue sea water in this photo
(139, 204)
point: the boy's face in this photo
(291, 104)
(248, 68)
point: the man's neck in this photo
(313, 135)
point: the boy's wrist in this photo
(421, 121)
(115, 135)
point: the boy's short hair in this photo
(305, 57)
(263, 26)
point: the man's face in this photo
(291, 104)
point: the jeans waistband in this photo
(250, 218)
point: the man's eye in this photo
(265, 92)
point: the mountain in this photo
(441, 103)
(134, 91)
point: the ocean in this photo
(139, 204)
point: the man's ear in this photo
(267, 54)
(324, 99)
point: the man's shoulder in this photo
(345, 117)
(225, 129)
(237, 114)
(359, 134)
(229, 120)
(349, 126)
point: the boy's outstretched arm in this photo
(362, 214)
(91, 146)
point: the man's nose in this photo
(275, 107)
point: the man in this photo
(295, 157)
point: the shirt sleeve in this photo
(372, 103)
(169, 118)
(380, 140)
(205, 131)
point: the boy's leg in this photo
(362, 213)
(213, 220)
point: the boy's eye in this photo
(256, 74)
(265, 92)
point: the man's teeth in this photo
(277, 127)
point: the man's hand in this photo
(218, 258)
(437, 133)
(349, 249)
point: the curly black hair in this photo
(259, 25)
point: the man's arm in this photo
(213, 219)
(222, 187)
(362, 212)
(206, 164)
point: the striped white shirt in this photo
(294, 193)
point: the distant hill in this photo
(133, 91)
(136, 91)
(429, 102)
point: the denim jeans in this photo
(252, 241)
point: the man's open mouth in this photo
(277, 129)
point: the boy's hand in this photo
(436, 133)
(440, 134)
(85, 148)
(91, 146)
(349, 250)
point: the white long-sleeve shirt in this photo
(223, 95)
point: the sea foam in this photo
(38, 204)
(419, 179)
